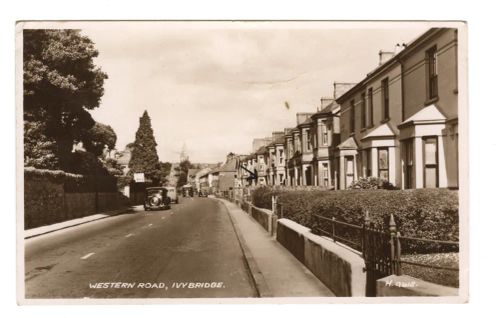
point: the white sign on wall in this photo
(139, 177)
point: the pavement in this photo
(276, 271)
(70, 223)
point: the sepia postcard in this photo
(242, 162)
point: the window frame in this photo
(326, 174)
(379, 149)
(363, 110)
(370, 106)
(409, 168)
(432, 73)
(346, 160)
(368, 155)
(307, 140)
(352, 117)
(384, 92)
(424, 157)
(324, 134)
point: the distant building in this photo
(123, 158)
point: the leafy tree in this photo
(61, 83)
(165, 167)
(98, 138)
(113, 167)
(144, 158)
(39, 150)
(183, 168)
(84, 162)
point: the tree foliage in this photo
(183, 168)
(39, 149)
(61, 83)
(165, 167)
(144, 158)
(98, 138)
(86, 163)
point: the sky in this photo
(215, 86)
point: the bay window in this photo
(383, 163)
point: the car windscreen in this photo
(154, 191)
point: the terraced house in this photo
(276, 159)
(401, 122)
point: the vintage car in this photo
(172, 194)
(187, 190)
(156, 198)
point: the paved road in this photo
(193, 242)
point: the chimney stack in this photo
(259, 142)
(340, 89)
(325, 101)
(277, 135)
(302, 117)
(384, 56)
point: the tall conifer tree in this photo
(144, 158)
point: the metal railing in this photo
(338, 231)
(381, 248)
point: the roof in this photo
(429, 33)
(262, 150)
(427, 114)
(228, 166)
(381, 131)
(280, 140)
(349, 143)
(192, 172)
(332, 108)
(308, 121)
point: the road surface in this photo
(188, 251)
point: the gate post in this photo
(398, 254)
(333, 228)
(392, 241)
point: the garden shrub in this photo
(422, 213)
(261, 197)
(73, 182)
(371, 183)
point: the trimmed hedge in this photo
(422, 213)
(73, 183)
(52, 196)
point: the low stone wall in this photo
(245, 206)
(263, 217)
(404, 285)
(338, 267)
